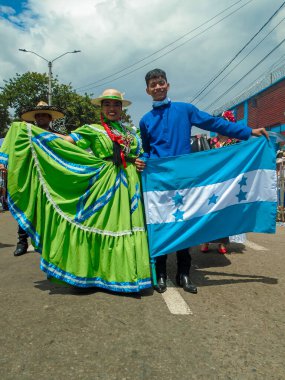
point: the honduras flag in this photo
(196, 198)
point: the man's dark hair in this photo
(153, 74)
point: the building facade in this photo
(262, 105)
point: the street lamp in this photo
(50, 67)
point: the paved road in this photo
(234, 328)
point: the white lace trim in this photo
(60, 212)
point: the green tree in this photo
(5, 119)
(26, 90)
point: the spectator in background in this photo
(42, 115)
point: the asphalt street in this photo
(234, 328)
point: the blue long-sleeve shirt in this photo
(166, 130)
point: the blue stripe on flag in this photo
(219, 165)
(169, 237)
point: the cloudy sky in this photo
(120, 40)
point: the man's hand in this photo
(260, 132)
(66, 138)
(140, 164)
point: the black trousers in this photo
(183, 263)
(22, 236)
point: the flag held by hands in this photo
(200, 197)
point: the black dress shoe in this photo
(21, 249)
(184, 282)
(161, 284)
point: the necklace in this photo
(124, 140)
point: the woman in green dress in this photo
(82, 209)
(126, 257)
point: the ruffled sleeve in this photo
(83, 136)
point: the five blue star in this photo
(241, 195)
(213, 199)
(178, 199)
(242, 182)
(178, 214)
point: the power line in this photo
(262, 76)
(277, 63)
(236, 55)
(163, 48)
(168, 52)
(258, 80)
(250, 71)
(225, 76)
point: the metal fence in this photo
(267, 80)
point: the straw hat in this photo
(111, 94)
(42, 107)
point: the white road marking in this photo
(256, 247)
(174, 301)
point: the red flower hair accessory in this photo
(229, 115)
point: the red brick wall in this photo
(267, 108)
(239, 112)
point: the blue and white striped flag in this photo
(200, 197)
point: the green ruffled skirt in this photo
(83, 214)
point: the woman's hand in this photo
(140, 164)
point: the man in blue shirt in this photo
(165, 132)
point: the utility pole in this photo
(49, 82)
(50, 69)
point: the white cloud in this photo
(7, 10)
(114, 34)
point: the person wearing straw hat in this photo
(111, 102)
(42, 115)
(116, 250)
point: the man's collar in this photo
(160, 103)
